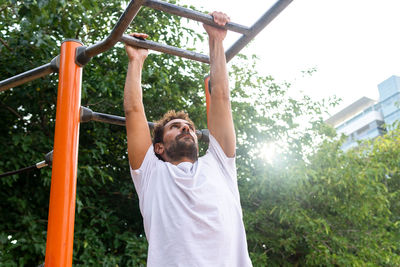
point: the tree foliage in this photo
(334, 209)
(313, 206)
(108, 225)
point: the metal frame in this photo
(84, 54)
(60, 227)
(31, 75)
(73, 56)
(194, 15)
(88, 115)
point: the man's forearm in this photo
(218, 69)
(133, 90)
(137, 130)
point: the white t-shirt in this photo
(191, 212)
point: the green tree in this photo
(31, 34)
(333, 209)
(314, 206)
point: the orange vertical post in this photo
(208, 92)
(60, 228)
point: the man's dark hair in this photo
(159, 125)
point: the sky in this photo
(353, 44)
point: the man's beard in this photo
(181, 148)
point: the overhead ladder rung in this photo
(194, 15)
(165, 48)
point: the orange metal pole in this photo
(60, 228)
(208, 92)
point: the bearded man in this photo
(190, 206)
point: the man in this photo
(191, 207)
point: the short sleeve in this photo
(141, 176)
(227, 164)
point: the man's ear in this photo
(159, 148)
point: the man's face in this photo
(180, 140)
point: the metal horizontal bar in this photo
(194, 15)
(107, 118)
(265, 19)
(25, 77)
(18, 171)
(165, 48)
(30, 75)
(88, 115)
(48, 161)
(84, 55)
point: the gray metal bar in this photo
(194, 15)
(88, 115)
(265, 19)
(85, 54)
(164, 48)
(119, 28)
(48, 161)
(18, 171)
(30, 75)
(107, 118)
(25, 77)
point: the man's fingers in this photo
(142, 36)
(220, 18)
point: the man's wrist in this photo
(139, 61)
(215, 42)
(215, 45)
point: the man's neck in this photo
(184, 159)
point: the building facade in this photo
(367, 118)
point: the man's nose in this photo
(185, 128)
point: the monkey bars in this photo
(69, 114)
(84, 54)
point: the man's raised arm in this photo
(220, 113)
(138, 133)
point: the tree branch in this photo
(5, 44)
(12, 110)
(4, 8)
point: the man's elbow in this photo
(133, 108)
